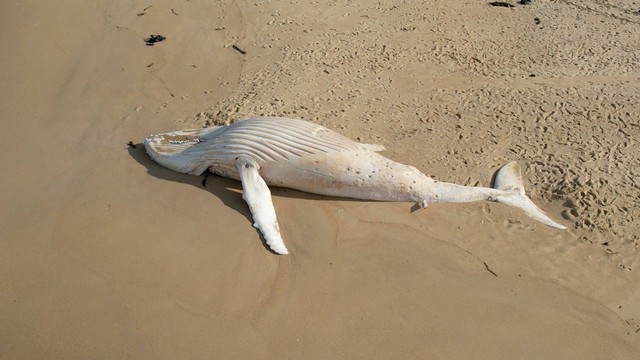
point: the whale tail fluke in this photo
(509, 180)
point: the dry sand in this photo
(104, 254)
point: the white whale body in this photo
(305, 156)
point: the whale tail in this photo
(509, 180)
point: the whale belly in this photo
(354, 174)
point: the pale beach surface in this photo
(106, 255)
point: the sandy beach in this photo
(106, 255)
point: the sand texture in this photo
(106, 255)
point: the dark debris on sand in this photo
(151, 40)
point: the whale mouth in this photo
(178, 150)
(173, 142)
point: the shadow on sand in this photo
(227, 190)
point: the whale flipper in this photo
(257, 195)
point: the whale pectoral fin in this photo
(257, 195)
